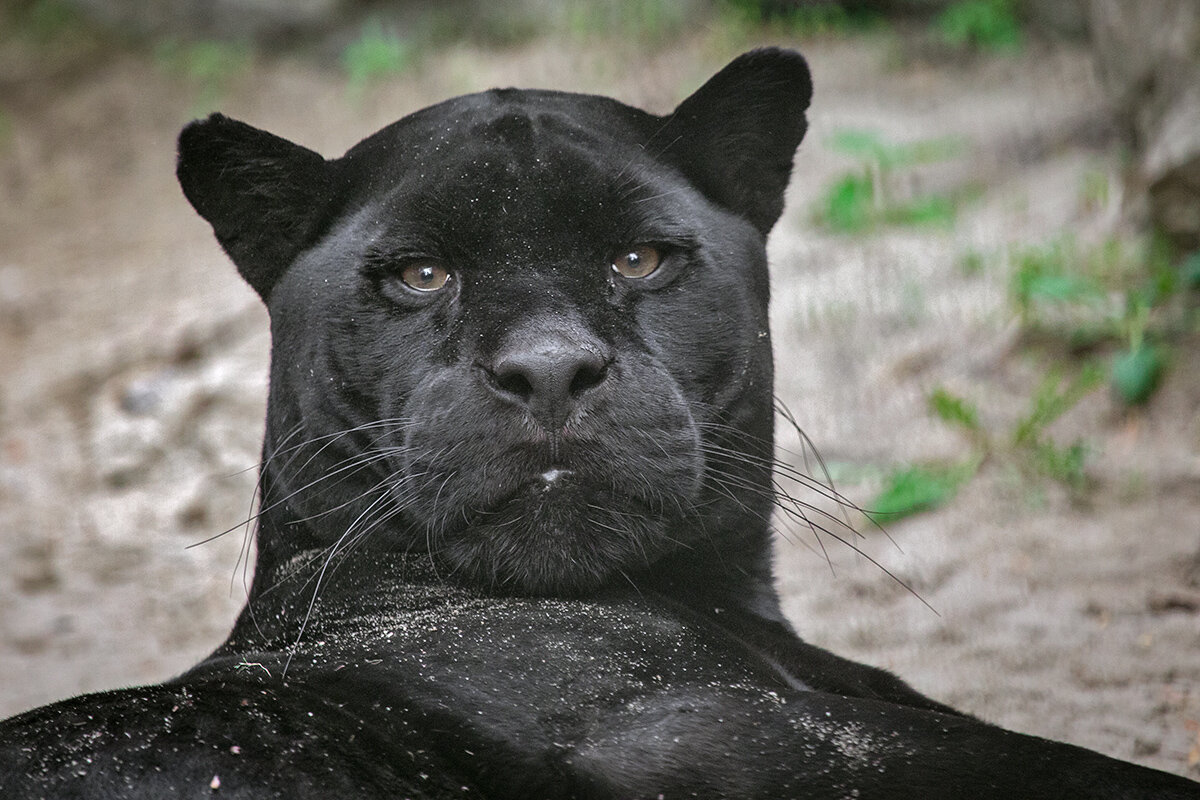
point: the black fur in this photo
(514, 534)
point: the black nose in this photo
(548, 376)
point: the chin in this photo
(556, 540)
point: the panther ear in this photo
(736, 136)
(263, 195)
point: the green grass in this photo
(376, 55)
(1137, 373)
(1189, 272)
(849, 204)
(871, 147)
(1127, 299)
(49, 20)
(860, 200)
(58, 35)
(802, 20)
(1054, 396)
(492, 25)
(210, 67)
(934, 211)
(637, 19)
(1027, 446)
(989, 25)
(1132, 299)
(1051, 276)
(913, 489)
(955, 410)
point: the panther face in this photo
(526, 330)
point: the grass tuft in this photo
(1137, 373)
(990, 25)
(1027, 446)
(863, 199)
(801, 20)
(913, 489)
(1133, 298)
(376, 55)
(209, 66)
(639, 19)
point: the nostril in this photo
(514, 383)
(589, 374)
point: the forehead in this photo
(505, 121)
(511, 153)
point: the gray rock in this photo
(1148, 58)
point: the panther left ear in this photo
(736, 136)
(265, 197)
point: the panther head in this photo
(525, 331)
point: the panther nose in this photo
(548, 377)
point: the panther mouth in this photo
(504, 509)
(559, 491)
(553, 535)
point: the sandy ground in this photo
(133, 365)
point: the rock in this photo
(1148, 58)
(134, 418)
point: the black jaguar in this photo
(514, 523)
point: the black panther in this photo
(513, 538)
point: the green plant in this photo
(954, 410)
(639, 19)
(862, 199)
(1027, 446)
(62, 37)
(1052, 398)
(922, 487)
(209, 66)
(1189, 271)
(1137, 372)
(375, 55)
(870, 146)
(47, 20)
(803, 20)
(1113, 294)
(849, 204)
(1085, 281)
(933, 210)
(1046, 276)
(490, 25)
(980, 24)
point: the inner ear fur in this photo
(736, 136)
(264, 196)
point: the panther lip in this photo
(532, 488)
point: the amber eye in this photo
(425, 276)
(638, 262)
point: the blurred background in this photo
(985, 316)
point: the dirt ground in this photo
(133, 364)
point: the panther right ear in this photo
(264, 196)
(736, 135)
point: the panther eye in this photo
(425, 276)
(638, 262)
